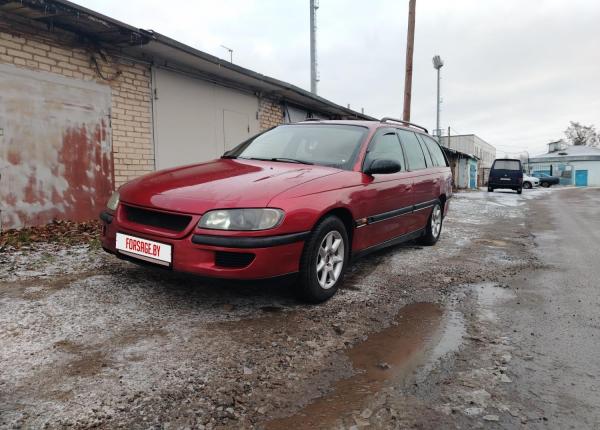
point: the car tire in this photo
(519, 190)
(434, 226)
(527, 185)
(545, 185)
(490, 190)
(315, 285)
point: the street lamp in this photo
(437, 64)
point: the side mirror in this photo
(382, 166)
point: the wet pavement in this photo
(493, 327)
(554, 316)
(420, 333)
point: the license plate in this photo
(505, 179)
(144, 249)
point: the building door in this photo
(473, 174)
(236, 128)
(55, 149)
(197, 120)
(581, 178)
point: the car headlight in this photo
(113, 202)
(241, 219)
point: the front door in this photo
(386, 198)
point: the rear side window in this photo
(434, 150)
(385, 146)
(412, 149)
(507, 165)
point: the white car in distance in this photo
(530, 182)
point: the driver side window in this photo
(385, 146)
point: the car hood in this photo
(222, 183)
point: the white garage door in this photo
(195, 120)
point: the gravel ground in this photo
(90, 341)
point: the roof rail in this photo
(388, 119)
(312, 119)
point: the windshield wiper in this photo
(291, 160)
(282, 159)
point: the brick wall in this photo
(133, 150)
(270, 113)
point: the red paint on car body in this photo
(305, 193)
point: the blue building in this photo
(574, 165)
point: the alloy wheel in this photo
(330, 260)
(436, 221)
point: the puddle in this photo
(422, 333)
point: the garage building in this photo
(88, 103)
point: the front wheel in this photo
(527, 185)
(490, 190)
(546, 184)
(323, 260)
(434, 226)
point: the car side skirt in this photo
(391, 242)
(399, 212)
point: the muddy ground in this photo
(419, 337)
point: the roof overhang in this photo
(459, 153)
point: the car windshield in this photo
(324, 144)
(507, 165)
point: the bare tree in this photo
(583, 135)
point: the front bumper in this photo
(271, 256)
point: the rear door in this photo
(422, 175)
(387, 197)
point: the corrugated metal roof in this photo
(456, 152)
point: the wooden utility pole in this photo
(410, 43)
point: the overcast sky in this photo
(516, 72)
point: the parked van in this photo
(506, 173)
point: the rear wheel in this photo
(546, 184)
(434, 226)
(323, 261)
(527, 185)
(490, 189)
(519, 190)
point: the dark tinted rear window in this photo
(507, 165)
(412, 149)
(434, 149)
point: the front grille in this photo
(167, 221)
(233, 259)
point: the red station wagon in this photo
(300, 199)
